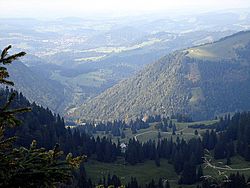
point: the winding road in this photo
(228, 168)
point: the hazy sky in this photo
(65, 8)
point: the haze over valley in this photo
(124, 93)
(85, 56)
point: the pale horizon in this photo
(80, 8)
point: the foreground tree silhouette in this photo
(28, 167)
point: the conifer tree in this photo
(28, 167)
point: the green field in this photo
(144, 135)
(237, 163)
(220, 49)
(95, 79)
(146, 171)
(143, 172)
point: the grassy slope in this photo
(143, 172)
(152, 132)
(237, 163)
(146, 171)
(223, 48)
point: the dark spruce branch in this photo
(27, 167)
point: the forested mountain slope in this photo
(36, 87)
(202, 81)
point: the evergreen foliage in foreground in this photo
(28, 167)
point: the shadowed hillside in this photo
(38, 88)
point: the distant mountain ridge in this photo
(202, 81)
